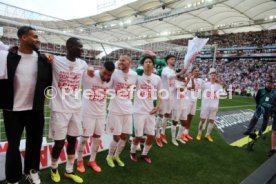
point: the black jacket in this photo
(43, 80)
(273, 103)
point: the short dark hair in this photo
(24, 30)
(72, 41)
(147, 57)
(169, 56)
(126, 54)
(178, 70)
(109, 66)
(194, 68)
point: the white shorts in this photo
(208, 112)
(179, 114)
(144, 124)
(118, 124)
(62, 124)
(92, 125)
(166, 106)
(191, 107)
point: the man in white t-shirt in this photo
(147, 90)
(65, 121)
(168, 83)
(209, 104)
(179, 110)
(24, 77)
(94, 112)
(193, 91)
(119, 119)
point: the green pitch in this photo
(197, 162)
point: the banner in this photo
(46, 150)
(232, 124)
(194, 47)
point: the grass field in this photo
(197, 162)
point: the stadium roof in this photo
(147, 21)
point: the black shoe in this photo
(252, 135)
(271, 152)
(246, 132)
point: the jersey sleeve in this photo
(3, 46)
(3, 64)
(159, 83)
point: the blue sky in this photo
(66, 9)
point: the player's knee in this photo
(167, 115)
(71, 145)
(174, 123)
(57, 148)
(124, 136)
(84, 140)
(96, 136)
(116, 138)
(183, 122)
(150, 139)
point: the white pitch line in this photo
(229, 107)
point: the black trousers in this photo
(259, 111)
(15, 122)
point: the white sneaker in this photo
(33, 177)
(175, 142)
(181, 140)
(13, 183)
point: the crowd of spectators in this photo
(245, 39)
(245, 76)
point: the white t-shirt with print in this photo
(193, 94)
(180, 97)
(210, 95)
(94, 95)
(122, 83)
(168, 80)
(146, 91)
(67, 80)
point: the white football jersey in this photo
(146, 91)
(194, 94)
(123, 84)
(67, 80)
(210, 94)
(94, 95)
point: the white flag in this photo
(194, 47)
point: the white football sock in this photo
(180, 131)
(146, 149)
(112, 148)
(164, 124)
(120, 147)
(94, 148)
(173, 129)
(210, 128)
(81, 147)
